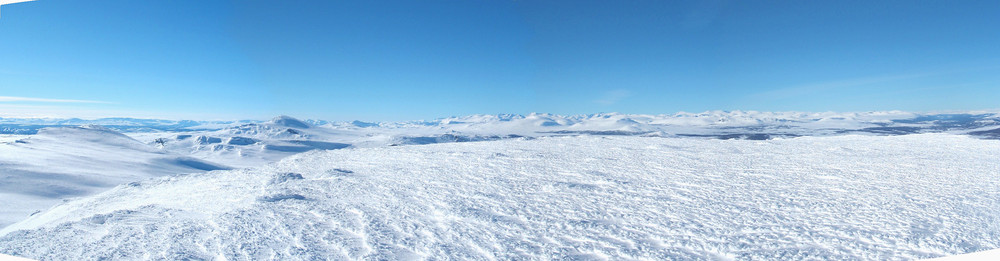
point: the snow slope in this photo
(575, 197)
(38, 171)
(975, 256)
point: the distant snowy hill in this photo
(577, 197)
(718, 124)
(32, 125)
(39, 170)
(251, 144)
(723, 124)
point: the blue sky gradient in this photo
(408, 60)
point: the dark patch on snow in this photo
(191, 163)
(205, 140)
(755, 129)
(951, 121)
(241, 141)
(281, 197)
(446, 138)
(284, 177)
(752, 136)
(742, 136)
(220, 147)
(578, 186)
(989, 134)
(889, 130)
(419, 140)
(449, 138)
(340, 173)
(285, 148)
(321, 144)
(98, 219)
(604, 133)
(306, 145)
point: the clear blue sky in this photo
(408, 60)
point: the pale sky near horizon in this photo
(411, 60)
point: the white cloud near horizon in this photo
(612, 97)
(812, 89)
(67, 111)
(45, 100)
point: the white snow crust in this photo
(572, 197)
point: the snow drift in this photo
(38, 171)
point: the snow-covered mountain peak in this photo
(288, 121)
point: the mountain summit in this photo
(288, 121)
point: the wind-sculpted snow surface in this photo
(839, 197)
(38, 171)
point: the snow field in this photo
(39, 171)
(582, 197)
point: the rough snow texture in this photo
(840, 197)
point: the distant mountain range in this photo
(717, 124)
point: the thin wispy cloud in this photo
(45, 100)
(66, 111)
(613, 97)
(811, 89)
